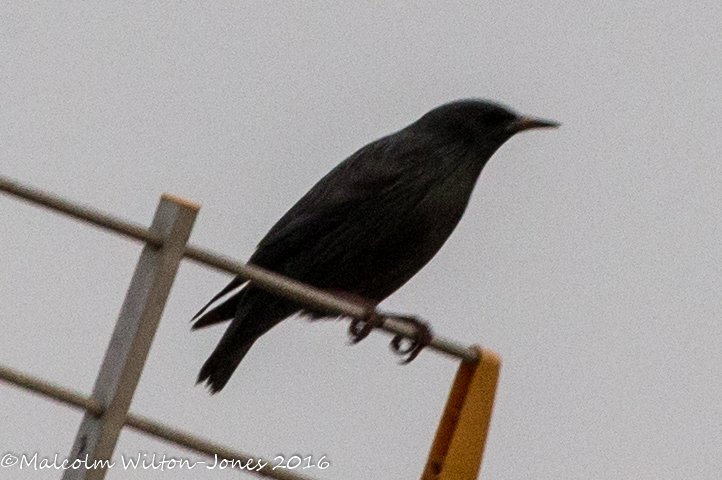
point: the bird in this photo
(369, 225)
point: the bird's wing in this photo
(358, 183)
(219, 314)
(358, 180)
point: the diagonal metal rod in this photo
(143, 424)
(275, 283)
(133, 336)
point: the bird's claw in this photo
(422, 338)
(361, 327)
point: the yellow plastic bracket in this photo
(460, 439)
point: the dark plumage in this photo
(370, 224)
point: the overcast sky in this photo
(588, 258)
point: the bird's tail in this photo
(222, 363)
(254, 313)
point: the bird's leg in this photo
(361, 327)
(422, 338)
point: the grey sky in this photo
(589, 257)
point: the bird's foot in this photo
(359, 328)
(402, 346)
(410, 348)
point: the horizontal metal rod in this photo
(146, 425)
(210, 449)
(273, 282)
(48, 389)
(314, 297)
(86, 214)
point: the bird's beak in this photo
(526, 123)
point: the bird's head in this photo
(479, 122)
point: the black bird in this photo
(369, 225)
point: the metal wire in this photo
(275, 283)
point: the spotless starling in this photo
(369, 225)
